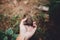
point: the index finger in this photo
(34, 24)
(22, 21)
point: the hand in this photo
(27, 31)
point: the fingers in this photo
(34, 24)
(23, 20)
(22, 26)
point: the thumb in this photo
(22, 21)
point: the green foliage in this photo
(5, 38)
(12, 31)
(9, 31)
(7, 34)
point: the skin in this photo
(26, 31)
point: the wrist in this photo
(20, 37)
(24, 37)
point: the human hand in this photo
(27, 31)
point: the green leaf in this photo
(9, 31)
(14, 36)
(5, 38)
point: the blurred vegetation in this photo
(9, 25)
